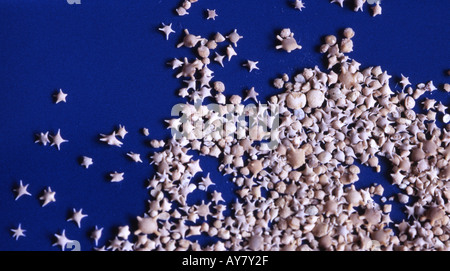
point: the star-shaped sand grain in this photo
(123, 232)
(147, 225)
(251, 94)
(405, 82)
(136, 157)
(48, 197)
(251, 65)
(194, 167)
(219, 59)
(86, 162)
(116, 177)
(115, 244)
(60, 97)
(205, 183)
(167, 30)
(21, 190)
(62, 240)
(43, 139)
(96, 234)
(18, 232)
(121, 132)
(57, 140)
(111, 139)
(216, 197)
(77, 216)
(298, 4)
(127, 246)
(212, 14)
(234, 37)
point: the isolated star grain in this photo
(175, 63)
(43, 139)
(87, 162)
(136, 157)
(251, 65)
(167, 30)
(234, 37)
(62, 240)
(111, 139)
(18, 232)
(48, 196)
(299, 5)
(60, 97)
(116, 177)
(21, 190)
(57, 140)
(96, 234)
(77, 216)
(212, 14)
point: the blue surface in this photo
(110, 58)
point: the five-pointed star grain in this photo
(21, 190)
(87, 162)
(47, 197)
(77, 216)
(19, 232)
(167, 30)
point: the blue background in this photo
(110, 58)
